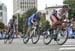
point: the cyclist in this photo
(33, 20)
(13, 23)
(57, 14)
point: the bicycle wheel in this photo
(47, 38)
(10, 39)
(62, 37)
(6, 38)
(35, 36)
(25, 39)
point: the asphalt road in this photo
(18, 45)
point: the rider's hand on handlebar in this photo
(35, 23)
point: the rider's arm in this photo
(66, 14)
(16, 22)
(59, 15)
(34, 21)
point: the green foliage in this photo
(71, 4)
(20, 25)
(2, 25)
(45, 25)
(43, 18)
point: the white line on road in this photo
(67, 48)
(69, 45)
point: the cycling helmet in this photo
(65, 6)
(14, 16)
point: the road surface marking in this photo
(67, 48)
(69, 45)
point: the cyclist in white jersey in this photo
(56, 16)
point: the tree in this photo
(43, 18)
(71, 4)
(20, 25)
(2, 25)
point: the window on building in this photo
(0, 7)
(0, 14)
(25, 2)
(21, 7)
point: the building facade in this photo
(23, 5)
(3, 13)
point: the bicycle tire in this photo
(45, 38)
(62, 35)
(25, 41)
(8, 38)
(37, 33)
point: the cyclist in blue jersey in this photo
(33, 20)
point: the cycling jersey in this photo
(12, 23)
(60, 11)
(54, 17)
(33, 18)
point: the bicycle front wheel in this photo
(35, 36)
(62, 37)
(25, 39)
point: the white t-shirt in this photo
(13, 23)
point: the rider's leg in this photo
(29, 27)
(54, 20)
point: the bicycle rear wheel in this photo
(47, 38)
(10, 38)
(62, 37)
(6, 38)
